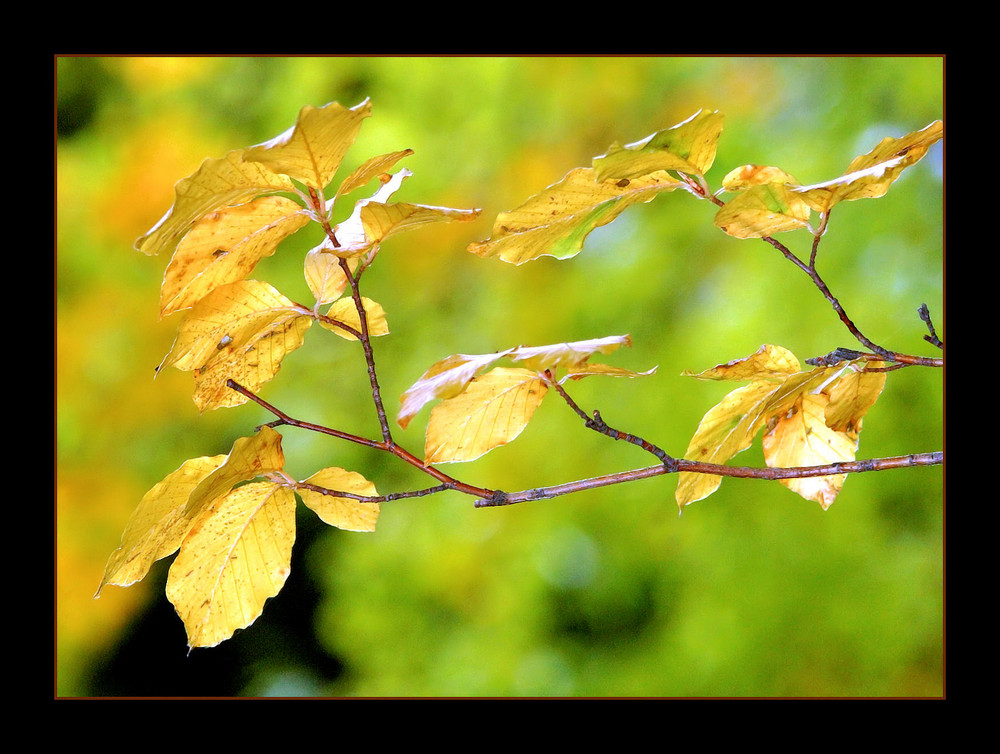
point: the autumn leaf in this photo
(219, 182)
(491, 411)
(444, 379)
(345, 312)
(801, 437)
(566, 355)
(311, 151)
(224, 246)
(241, 331)
(324, 275)
(342, 512)
(480, 413)
(769, 362)
(557, 221)
(763, 210)
(809, 417)
(728, 428)
(450, 376)
(166, 513)
(688, 147)
(249, 458)
(870, 175)
(369, 169)
(158, 524)
(236, 556)
(375, 219)
(747, 176)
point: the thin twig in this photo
(745, 472)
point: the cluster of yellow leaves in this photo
(231, 521)
(556, 221)
(480, 412)
(236, 210)
(809, 418)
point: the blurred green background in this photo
(752, 592)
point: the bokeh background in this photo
(751, 592)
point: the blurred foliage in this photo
(751, 592)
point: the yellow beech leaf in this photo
(801, 437)
(351, 234)
(727, 429)
(688, 147)
(312, 149)
(870, 175)
(763, 210)
(219, 182)
(342, 512)
(241, 331)
(252, 367)
(224, 246)
(579, 371)
(374, 218)
(383, 220)
(755, 175)
(250, 457)
(346, 312)
(451, 376)
(237, 554)
(324, 275)
(375, 166)
(492, 410)
(567, 355)
(769, 362)
(777, 393)
(157, 525)
(445, 379)
(852, 395)
(556, 221)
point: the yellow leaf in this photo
(324, 275)
(342, 512)
(157, 525)
(769, 362)
(236, 556)
(492, 410)
(250, 457)
(777, 393)
(755, 175)
(253, 367)
(688, 147)
(372, 167)
(346, 312)
(852, 395)
(869, 176)
(573, 354)
(726, 429)
(221, 182)
(312, 149)
(374, 219)
(224, 246)
(579, 371)
(383, 220)
(556, 221)
(445, 379)
(241, 331)
(801, 437)
(763, 210)
(351, 234)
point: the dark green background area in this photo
(751, 592)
